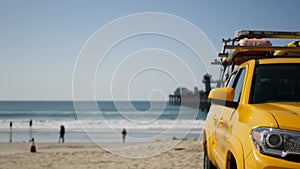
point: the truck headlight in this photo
(276, 142)
(273, 140)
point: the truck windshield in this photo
(276, 83)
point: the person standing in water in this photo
(124, 133)
(10, 132)
(30, 130)
(62, 134)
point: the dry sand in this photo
(186, 154)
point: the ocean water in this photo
(97, 121)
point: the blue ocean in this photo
(100, 121)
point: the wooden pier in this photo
(175, 99)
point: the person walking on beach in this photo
(10, 132)
(124, 135)
(62, 134)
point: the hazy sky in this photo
(40, 44)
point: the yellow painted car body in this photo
(248, 127)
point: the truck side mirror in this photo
(223, 96)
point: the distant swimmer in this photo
(124, 133)
(62, 134)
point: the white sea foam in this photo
(100, 125)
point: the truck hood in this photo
(287, 115)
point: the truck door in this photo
(223, 129)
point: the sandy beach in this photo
(185, 154)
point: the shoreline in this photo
(176, 154)
(99, 136)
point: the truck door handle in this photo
(221, 121)
(214, 117)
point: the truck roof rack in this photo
(236, 54)
(240, 34)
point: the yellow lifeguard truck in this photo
(254, 118)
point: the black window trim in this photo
(253, 81)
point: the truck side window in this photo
(231, 80)
(238, 84)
